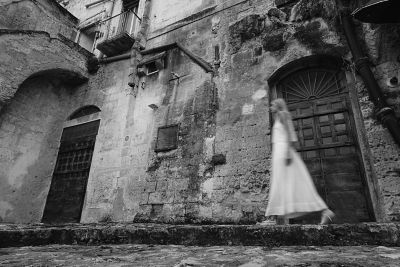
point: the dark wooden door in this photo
(327, 142)
(68, 185)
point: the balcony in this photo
(120, 35)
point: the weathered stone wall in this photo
(128, 180)
(182, 185)
(110, 91)
(30, 129)
(25, 53)
(42, 15)
(381, 43)
(225, 113)
(254, 39)
(173, 12)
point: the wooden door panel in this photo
(349, 206)
(318, 100)
(68, 186)
(314, 166)
(327, 146)
(343, 182)
(340, 164)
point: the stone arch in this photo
(27, 54)
(306, 62)
(83, 111)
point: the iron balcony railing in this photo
(125, 22)
(120, 33)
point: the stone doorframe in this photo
(371, 179)
(78, 121)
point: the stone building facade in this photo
(164, 117)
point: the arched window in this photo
(312, 83)
(84, 111)
(309, 78)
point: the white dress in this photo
(292, 191)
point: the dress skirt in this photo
(292, 193)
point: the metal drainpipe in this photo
(384, 113)
(139, 44)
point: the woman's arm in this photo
(284, 117)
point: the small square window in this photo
(151, 68)
(167, 138)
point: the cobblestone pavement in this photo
(181, 256)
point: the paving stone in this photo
(184, 256)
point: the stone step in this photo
(381, 234)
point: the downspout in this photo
(95, 3)
(384, 113)
(140, 44)
(115, 58)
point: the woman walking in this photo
(292, 193)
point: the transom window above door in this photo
(309, 84)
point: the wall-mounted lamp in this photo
(379, 11)
(393, 82)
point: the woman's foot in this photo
(327, 216)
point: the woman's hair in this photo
(285, 117)
(282, 110)
(280, 104)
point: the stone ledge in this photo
(387, 234)
(71, 44)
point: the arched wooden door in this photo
(319, 103)
(68, 185)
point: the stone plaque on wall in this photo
(167, 138)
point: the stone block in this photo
(192, 211)
(174, 211)
(143, 213)
(229, 213)
(245, 29)
(193, 196)
(218, 196)
(205, 212)
(156, 210)
(149, 187)
(162, 185)
(143, 198)
(232, 182)
(161, 197)
(273, 42)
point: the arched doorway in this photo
(68, 185)
(317, 93)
